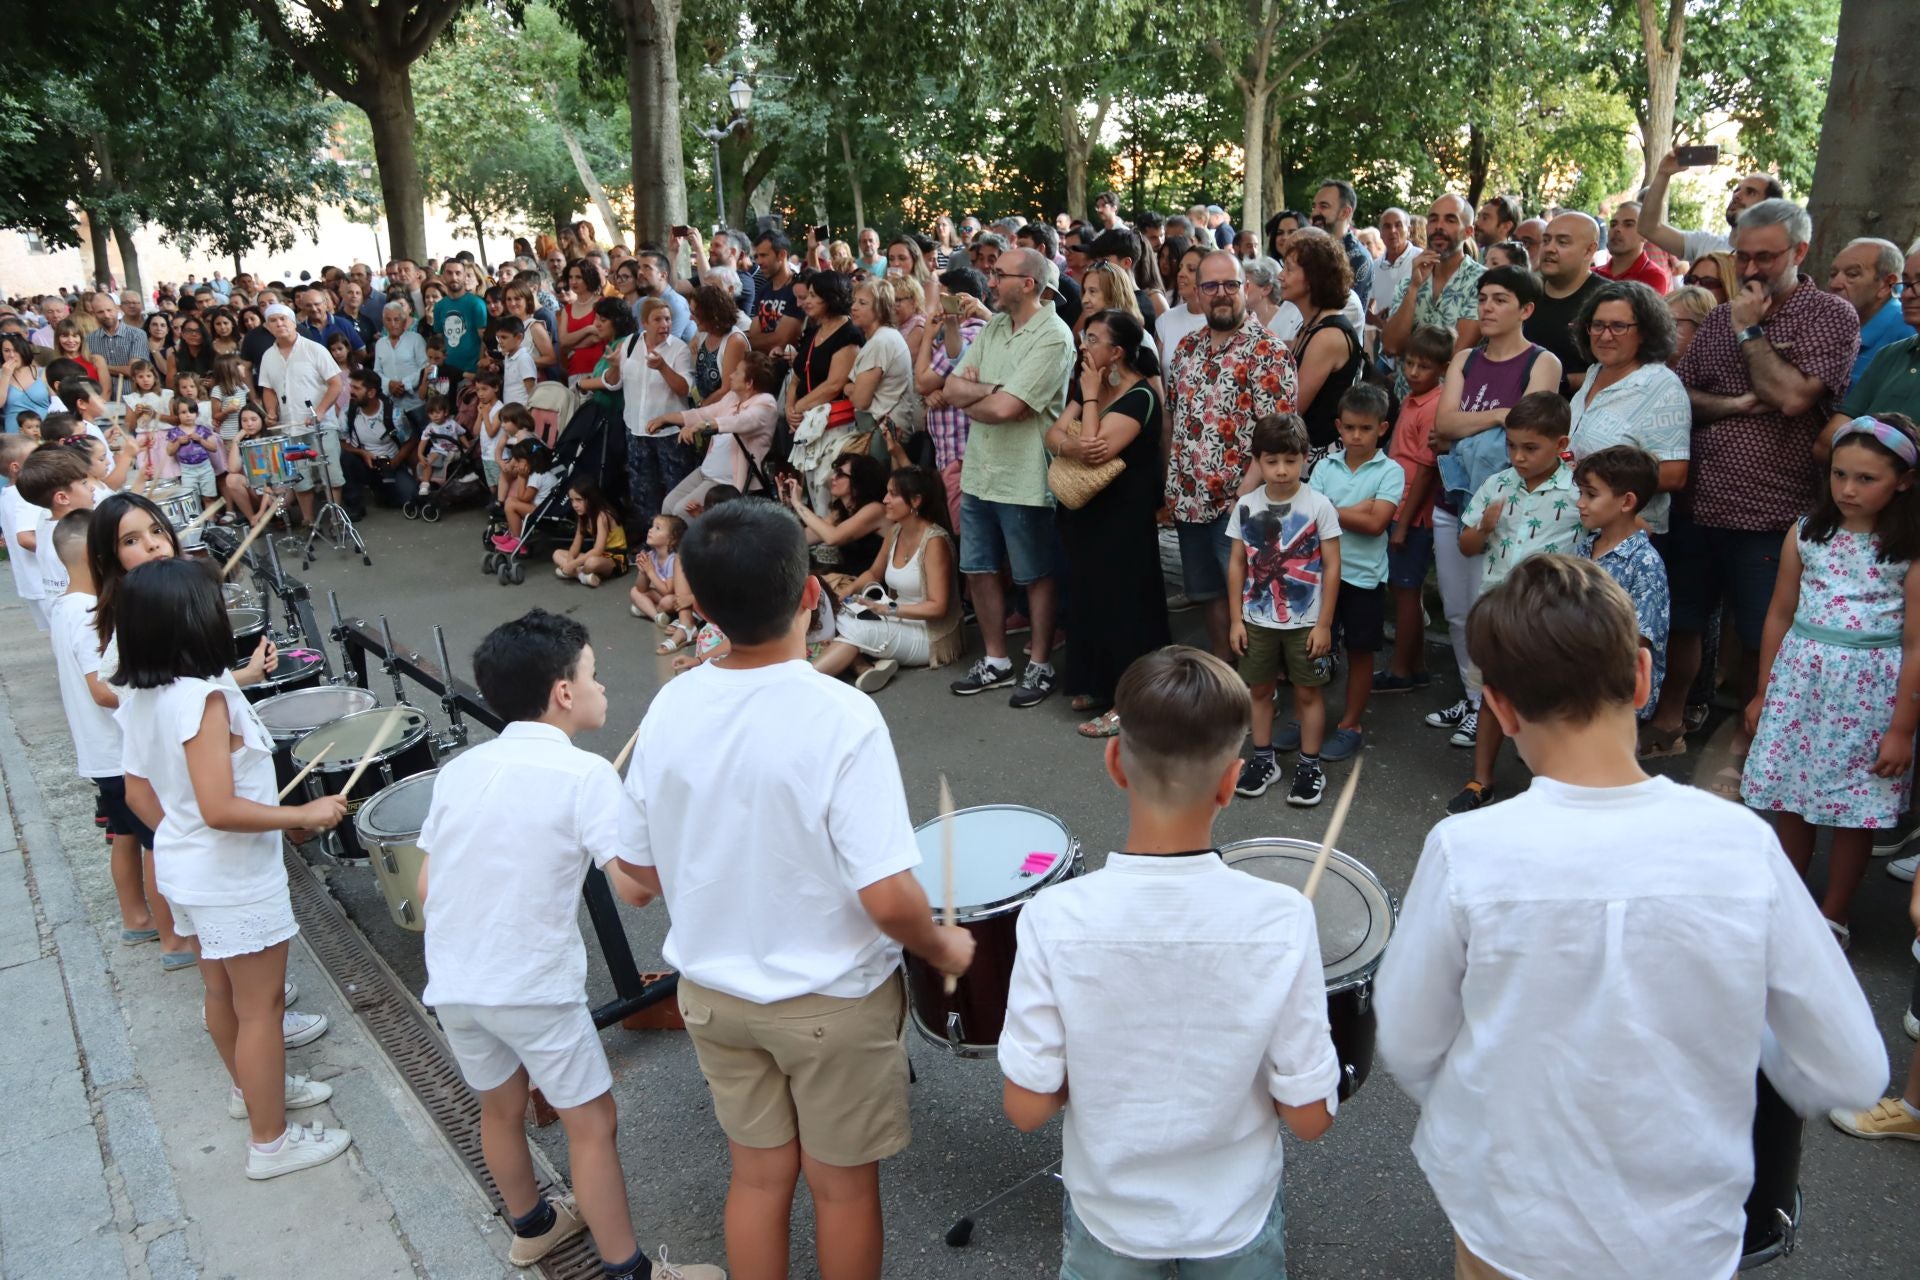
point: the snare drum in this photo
(404, 750)
(289, 717)
(249, 625)
(1003, 854)
(1773, 1206)
(237, 595)
(389, 826)
(264, 459)
(1354, 913)
(296, 669)
(180, 505)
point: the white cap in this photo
(278, 309)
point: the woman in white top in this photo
(400, 357)
(1630, 395)
(882, 380)
(654, 374)
(918, 622)
(1263, 290)
(1179, 321)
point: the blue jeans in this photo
(655, 464)
(1082, 1257)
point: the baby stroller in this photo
(464, 484)
(584, 441)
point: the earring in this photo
(1113, 377)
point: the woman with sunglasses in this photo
(1713, 272)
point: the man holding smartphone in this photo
(1693, 245)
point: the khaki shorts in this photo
(1270, 649)
(829, 1071)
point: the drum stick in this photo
(946, 861)
(379, 736)
(206, 515)
(1333, 832)
(301, 776)
(620, 761)
(259, 526)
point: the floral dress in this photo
(1831, 694)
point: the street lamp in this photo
(740, 94)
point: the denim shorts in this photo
(1082, 1257)
(1407, 566)
(1707, 566)
(1204, 552)
(1000, 535)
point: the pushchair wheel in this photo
(490, 562)
(504, 574)
(516, 571)
(430, 512)
(410, 510)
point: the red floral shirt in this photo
(1217, 396)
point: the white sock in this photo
(268, 1148)
(1000, 664)
(1912, 1111)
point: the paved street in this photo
(1356, 1204)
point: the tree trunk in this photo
(1075, 148)
(1254, 140)
(853, 178)
(97, 234)
(387, 98)
(129, 259)
(1275, 188)
(584, 167)
(1862, 186)
(236, 262)
(1477, 161)
(1663, 47)
(653, 102)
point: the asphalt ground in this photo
(1356, 1203)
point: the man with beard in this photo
(1566, 272)
(1499, 216)
(1228, 376)
(1629, 258)
(1693, 245)
(1442, 290)
(1333, 208)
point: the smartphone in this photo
(681, 232)
(1696, 157)
(823, 233)
(951, 304)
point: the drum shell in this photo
(391, 766)
(1777, 1135)
(263, 460)
(979, 998)
(309, 677)
(249, 625)
(396, 858)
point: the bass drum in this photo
(1355, 915)
(389, 826)
(335, 750)
(289, 717)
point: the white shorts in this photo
(198, 478)
(558, 1045)
(307, 472)
(237, 930)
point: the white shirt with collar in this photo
(299, 377)
(513, 826)
(1389, 274)
(368, 430)
(646, 393)
(1577, 994)
(1178, 1000)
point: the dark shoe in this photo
(1387, 682)
(984, 676)
(1037, 684)
(1451, 717)
(1287, 737)
(1309, 784)
(1472, 796)
(1343, 744)
(1256, 775)
(1468, 731)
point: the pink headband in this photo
(1897, 442)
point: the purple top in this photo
(192, 453)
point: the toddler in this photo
(192, 446)
(440, 443)
(652, 593)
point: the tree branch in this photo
(425, 29)
(267, 14)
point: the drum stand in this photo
(962, 1231)
(331, 514)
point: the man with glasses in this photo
(1867, 273)
(1764, 375)
(1750, 190)
(1567, 279)
(117, 343)
(1532, 235)
(1011, 384)
(1228, 375)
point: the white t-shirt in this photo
(17, 515)
(1171, 1146)
(193, 863)
(515, 370)
(1695, 245)
(300, 376)
(1175, 323)
(887, 351)
(762, 847)
(513, 826)
(1285, 574)
(76, 655)
(493, 436)
(53, 574)
(369, 431)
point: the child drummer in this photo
(1583, 979)
(1181, 1074)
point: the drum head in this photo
(294, 664)
(354, 737)
(1002, 853)
(238, 596)
(1352, 908)
(161, 494)
(246, 622)
(398, 812)
(291, 715)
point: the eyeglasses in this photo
(1764, 261)
(1219, 286)
(1612, 328)
(1704, 282)
(1910, 282)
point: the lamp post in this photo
(740, 94)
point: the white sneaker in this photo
(297, 1029)
(425, 488)
(875, 678)
(634, 609)
(289, 992)
(303, 1147)
(1903, 868)
(560, 573)
(1910, 1024)
(589, 579)
(301, 1092)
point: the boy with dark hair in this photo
(512, 828)
(1365, 486)
(1171, 1148)
(1410, 543)
(58, 479)
(1615, 484)
(1284, 569)
(17, 518)
(1527, 510)
(789, 877)
(1582, 979)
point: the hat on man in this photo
(1049, 277)
(278, 309)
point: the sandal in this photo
(678, 638)
(1726, 782)
(1658, 744)
(1101, 726)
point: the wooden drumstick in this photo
(259, 527)
(379, 737)
(301, 776)
(206, 515)
(620, 761)
(1333, 832)
(946, 871)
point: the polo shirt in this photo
(1891, 383)
(1644, 269)
(1363, 557)
(1007, 461)
(1884, 328)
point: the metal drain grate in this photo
(411, 1042)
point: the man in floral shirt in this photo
(1231, 374)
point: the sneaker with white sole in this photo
(875, 678)
(303, 1147)
(1037, 683)
(1903, 868)
(1308, 785)
(1256, 775)
(1910, 1024)
(289, 992)
(981, 677)
(1887, 1118)
(301, 1093)
(589, 579)
(664, 1270)
(1888, 841)
(297, 1028)
(527, 1250)
(1450, 717)
(1469, 730)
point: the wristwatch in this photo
(1748, 334)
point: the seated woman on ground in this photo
(847, 538)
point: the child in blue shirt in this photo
(1616, 483)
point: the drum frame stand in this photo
(962, 1230)
(331, 512)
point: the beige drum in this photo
(389, 826)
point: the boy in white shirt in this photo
(789, 876)
(17, 521)
(1181, 1075)
(517, 372)
(512, 828)
(56, 479)
(1583, 979)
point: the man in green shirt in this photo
(1891, 383)
(461, 319)
(1011, 384)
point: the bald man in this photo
(1443, 288)
(1566, 272)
